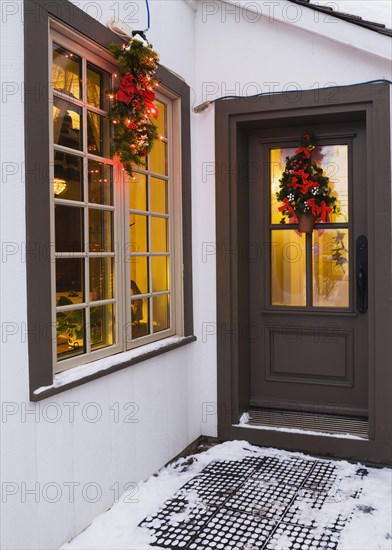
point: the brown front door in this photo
(308, 291)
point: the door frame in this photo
(234, 119)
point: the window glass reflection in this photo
(67, 124)
(158, 234)
(102, 326)
(70, 330)
(69, 281)
(288, 268)
(97, 134)
(101, 278)
(140, 316)
(331, 268)
(68, 228)
(100, 230)
(159, 195)
(138, 233)
(100, 187)
(161, 312)
(97, 83)
(68, 176)
(139, 275)
(66, 72)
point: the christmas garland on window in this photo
(131, 102)
(304, 188)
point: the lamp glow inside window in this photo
(150, 238)
(113, 272)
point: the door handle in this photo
(362, 274)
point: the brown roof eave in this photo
(371, 25)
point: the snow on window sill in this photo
(90, 371)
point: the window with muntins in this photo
(116, 260)
(152, 263)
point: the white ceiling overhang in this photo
(325, 25)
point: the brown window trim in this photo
(55, 389)
(36, 29)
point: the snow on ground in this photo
(370, 528)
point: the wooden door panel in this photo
(328, 356)
(313, 349)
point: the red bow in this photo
(147, 95)
(306, 183)
(303, 150)
(287, 205)
(324, 212)
(127, 89)
(313, 206)
(321, 211)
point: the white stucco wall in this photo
(175, 394)
(72, 456)
(244, 53)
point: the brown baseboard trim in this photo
(199, 445)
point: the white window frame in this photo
(98, 56)
(174, 227)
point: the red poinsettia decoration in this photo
(132, 107)
(127, 89)
(304, 188)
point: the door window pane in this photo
(68, 228)
(334, 161)
(100, 230)
(68, 176)
(66, 72)
(100, 188)
(67, 124)
(69, 281)
(101, 278)
(102, 326)
(278, 159)
(70, 330)
(288, 268)
(161, 312)
(331, 268)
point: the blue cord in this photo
(148, 15)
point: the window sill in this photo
(91, 371)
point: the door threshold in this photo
(314, 423)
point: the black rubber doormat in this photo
(256, 503)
